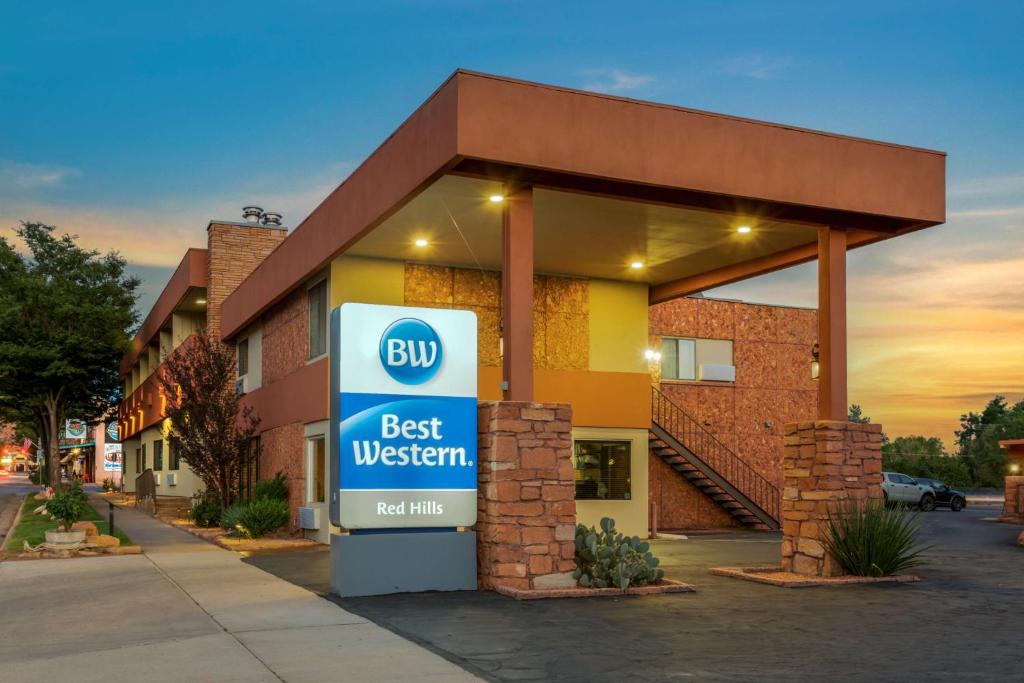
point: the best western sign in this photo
(403, 417)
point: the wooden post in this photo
(517, 295)
(832, 403)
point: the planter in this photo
(65, 537)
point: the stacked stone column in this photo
(824, 462)
(526, 519)
(1014, 506)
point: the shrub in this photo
(108, 484)
(231, 518)
(873, 539)
(35, 477)
(67, 506)
(263, 516)
(271, 489)
(607, 558)
(206, 510)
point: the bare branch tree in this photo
(210, 430)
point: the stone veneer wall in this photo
(824, 462)
(1014, 489)
(235, 251)
(526, 518)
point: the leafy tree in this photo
(66, 315)
(979, 436)
(921, 456)
(210, 430)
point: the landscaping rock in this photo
(106, 541)
(88, 527)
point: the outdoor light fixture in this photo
(421, 242)
(651, 354)
(636, 265)
(743, 229)
(815, 365)
(200, 302)
(497, 198)
(1014, 468)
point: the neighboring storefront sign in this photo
(75, 429)
(114, 431)
(403, 417)
(112, 457)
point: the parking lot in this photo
(963, 621)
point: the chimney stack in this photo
(271, 219)
(252, 214)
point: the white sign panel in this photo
(403, 416)
(112, 457)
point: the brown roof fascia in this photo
(193, 271)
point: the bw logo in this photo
(411, 351)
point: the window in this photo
(678, 358)
(250, 473)
(682, 358)
(172, 456)
(143, 458)
(243, 357)
(316, 449)
(138, 460)
(318, 319)
(158, 455)
(602, 469)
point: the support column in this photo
(517, 296)
(832, 403)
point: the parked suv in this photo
(944, 496)
(899, 488)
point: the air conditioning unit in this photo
(717, 373)
(156, 478)
(309, 518)
(172, 478)
(239, 386)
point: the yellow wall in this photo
(355, 279)
(630, 515)
(187, 484)
(618, 326)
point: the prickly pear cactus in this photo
(606, 558)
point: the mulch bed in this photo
(664, 586)
(775, 576)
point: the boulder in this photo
(88, 527)
(105, 541)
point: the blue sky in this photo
(132, 124)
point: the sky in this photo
(132, 124)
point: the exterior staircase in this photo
(708, 464)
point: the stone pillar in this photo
(526, 520)
(1014, 506)
(824, 462)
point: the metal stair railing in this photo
(755, 492)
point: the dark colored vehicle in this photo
(945, 496)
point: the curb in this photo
(666, 586)
(14, 525)
(790, 580)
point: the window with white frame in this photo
(243, 357)
(317, 298)
(316, 469)
(678, 358)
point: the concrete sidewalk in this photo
(187, 610)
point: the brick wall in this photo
(527, 509)
(285, 337)
(825, 462)
(1014, 488)
(281, 450)
(235, 251)
(772, 354)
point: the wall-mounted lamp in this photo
(652, 355)
(815, 364)
(1015, 468)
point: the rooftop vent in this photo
(271, 219)
(252, 214)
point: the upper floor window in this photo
(243, 357)
(158, 455)
(683, 358)
(317, 296)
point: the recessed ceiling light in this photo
(421, 242)
(743, 229)
(636, 265)
(200, 302)
(497, 198)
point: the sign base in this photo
(402, 562)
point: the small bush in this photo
(36, 477)
(67, 506)
(872, 539)
(231, 518)
(271, 489)
(263, 516)
(607, 558)
(206, 510)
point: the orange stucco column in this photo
(832, 324)
(517, 296)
